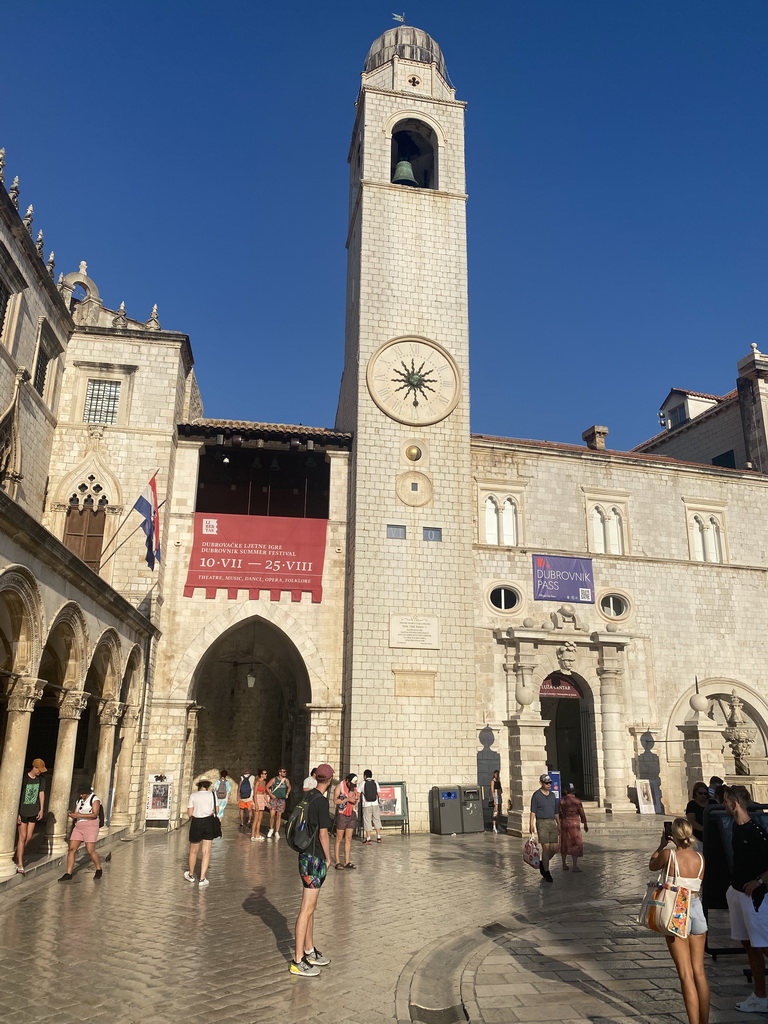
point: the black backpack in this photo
(101, 810)
(298, 833)
(370, 791)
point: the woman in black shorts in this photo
(201, 809)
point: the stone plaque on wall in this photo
(415, 631)
(414, 683)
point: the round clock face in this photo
(413, 381)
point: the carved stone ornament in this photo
(740, 735)
(2, 167)
(109, 712)
(153, 324)
(13, 192)
(566, 657)
(72, 705)
(26, 693)
(120, 320)
(130, 716)
(29, 216)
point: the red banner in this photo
(256, 553)
(559, 685)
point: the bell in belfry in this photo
(404, 174)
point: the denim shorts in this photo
(696, 916)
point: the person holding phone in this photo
(345, 800)
(687, 954)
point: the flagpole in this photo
(102, 564)
(125, 520)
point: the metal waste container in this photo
(471, 801)
(444, 810)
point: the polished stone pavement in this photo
(428, 928)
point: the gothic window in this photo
(508, 523)
(5, 298)
(491, 521)
(86, 517)
(41, 371)
(607, 524)
(84, 534)
(102, 399)
(706, 534)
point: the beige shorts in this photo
(547, 830)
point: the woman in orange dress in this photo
(572, 817)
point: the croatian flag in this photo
(146, 506)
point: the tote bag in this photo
(666, 907)
(532, 852)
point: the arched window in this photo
(713, 541)
(697, 538)
(414, 154)
(597, 527)
(614, 529)
(491, 521)
(508, 522)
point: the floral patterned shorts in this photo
(312, 870)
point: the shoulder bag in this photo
(666, 907)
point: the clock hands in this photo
(413, 381)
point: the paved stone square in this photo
(428, 928)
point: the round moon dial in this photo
(413, 381)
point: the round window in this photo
(614, 606)
(504, 598)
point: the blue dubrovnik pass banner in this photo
(563, 579)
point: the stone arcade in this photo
(363, 594)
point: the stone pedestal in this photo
(109, 716)
(702, 750)
(527, 761)
(121, 816)
(21, 703)
(71, 707)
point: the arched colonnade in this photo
(69, 697)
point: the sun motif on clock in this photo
(413, 381)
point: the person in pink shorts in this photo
(86, 830)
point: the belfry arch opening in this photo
(252, 687)
(414, 154)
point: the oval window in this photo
(504, 598)
(614, 606)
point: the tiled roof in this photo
(245, 427)
(699, 394)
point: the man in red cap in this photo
(31, 808)
(313, 867)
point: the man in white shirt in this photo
(311, 781)
(371, 812)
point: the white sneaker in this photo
(189, 878)
(203, 882)
(277, 834)
(254, 839)
(270, 833)
(754, 1004)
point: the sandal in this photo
(350, 865)
(339, 867)
(21, 871)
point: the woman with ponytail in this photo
(687, 869)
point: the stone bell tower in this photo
(409, 686)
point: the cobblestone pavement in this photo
(425, 921)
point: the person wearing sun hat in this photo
(313, 868)
(544, 822)
(31, 808)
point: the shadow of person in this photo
(257, 904)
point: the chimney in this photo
(595, 438)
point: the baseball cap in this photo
(544, 778)
(324, 771)
(39, 763)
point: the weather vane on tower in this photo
(399, 17)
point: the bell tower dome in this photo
(409, 689)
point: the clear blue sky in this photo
(195, 155)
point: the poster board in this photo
(159, 797)
(648, 797)
(393, 803)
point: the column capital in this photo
(72, 704)
(25, 694)
(130, 717)
(109, 712)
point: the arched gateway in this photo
(251, 689)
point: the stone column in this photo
(24, 696)
(527, 742)
(615, 766)
(71, 707)
(109, 716)
(121, 815)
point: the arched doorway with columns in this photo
(251, 690)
